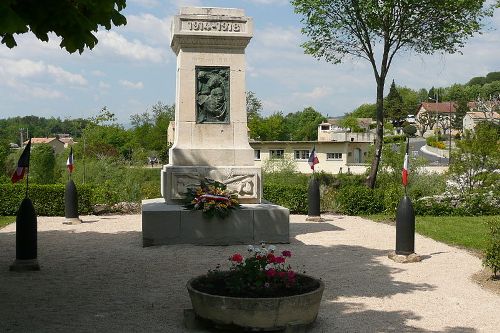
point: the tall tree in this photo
(303, 125)
(393, 105)
(254, 109)
(74, 21)
(362, 28)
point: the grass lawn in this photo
(467, 231)
(4, 220)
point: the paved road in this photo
(417, 148)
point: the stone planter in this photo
(257, 313)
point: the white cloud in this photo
(110, 41)
(269, 2)
(316, 93)
(104, 85)
(132, 85)
(25, 68)
(146, 3)
(151, 28)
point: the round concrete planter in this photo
(273, 313)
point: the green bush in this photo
(492, 251)
(394, 138)
(293, 197)
(359, 200)
(48, 200)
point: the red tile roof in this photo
(443, 107)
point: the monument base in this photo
(165, 224)
(404, 258)
(25, 265)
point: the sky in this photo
(133, 67)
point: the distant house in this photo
(442, 113)
(68, 141)
(338, 150)
(55, 143)
(471, 119)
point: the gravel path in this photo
(96, 277)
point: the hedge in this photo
(48, 200)
(293, 197)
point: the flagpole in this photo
(27, 182)
(407, 153)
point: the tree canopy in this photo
(377, 30)
(74, 21)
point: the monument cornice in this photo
(210, 27)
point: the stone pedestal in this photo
(164, 224)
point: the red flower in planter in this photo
(237, 258)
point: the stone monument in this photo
(211, 137)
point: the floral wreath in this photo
(212, 198)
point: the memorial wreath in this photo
(212, 198)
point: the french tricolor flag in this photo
(405, 165)
(69, 162)
(313, 158)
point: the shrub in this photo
(48, 200)
(293, 197)
(357, 200)
(492, 251)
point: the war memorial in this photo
(211, 139)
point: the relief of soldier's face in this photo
(216, 100)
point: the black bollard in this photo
(71, 203)
(405, 227)
(26, 238)
(313, 209)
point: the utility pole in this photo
(21, 131)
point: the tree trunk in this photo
(379, 140)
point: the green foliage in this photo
(393, 104)
(303, 125)
(48, 200)
(357, 200)
(149, 133)
(103, 137)
(475, 161)
(291, 196)
(492, 251)
(351, 123)
(39, 127)
(42, 164)
(394, 139)
(435, 141)
(115, 182)
(6, 220)
(76, 23)
(364, 111)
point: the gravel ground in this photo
(97, 277)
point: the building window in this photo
(276, 153)
(333, 156)
(325, 127)
(256, 154)
(301, 154)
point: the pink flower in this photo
(279, 260)
(237, 258)
(286, 253)
(271, 272)
(271, 258)
(281, 274)
(291, 275)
